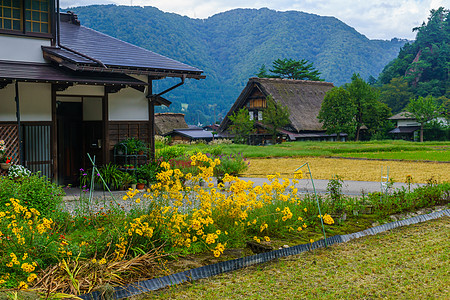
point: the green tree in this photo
(262, 73)
(396, 94)
(424, 110)
(275, 116)
(363, 97)
(241, 125)
(294, 69)
(337, 113)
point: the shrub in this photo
(110, 173)
(232, 164)
(36, 192)
(148, 171)
(167, 153)
(401, 200)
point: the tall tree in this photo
(337, 113)
(241, 125)
(396, 94)
(275, 116)
(291, 69)
(350, 107)
(262, 73)
(424, 110)
(363, 97)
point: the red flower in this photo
(8, 160)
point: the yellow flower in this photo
(93, 260)
(218, 231)
(311, 241)
(31, 277)
(102, 261)
(138, 200)
(305, 209)
(22, 285)
(298, 174)
(267, 239)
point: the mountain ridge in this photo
(231, 46)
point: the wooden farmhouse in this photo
(302, 97)
(67, 90)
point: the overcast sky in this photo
(379, 19)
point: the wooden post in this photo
(105, 119)
(151, 121)
(53, 138)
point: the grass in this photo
(390, 149)
(405, 263)
(428, 155)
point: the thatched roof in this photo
(404, 115)
(302, 97)
(166, 122)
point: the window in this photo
(11, 14)
(36, 20)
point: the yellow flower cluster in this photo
(188, 213)
(327, 219)
(139, 227)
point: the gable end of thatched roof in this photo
(302, 97)
(166, 122)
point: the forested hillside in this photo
(422, 68)
(231, 46)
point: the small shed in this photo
(190, 135)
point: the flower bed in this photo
(176, 216)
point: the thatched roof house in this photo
(302, 97)
(166, 122)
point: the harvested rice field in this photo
(350, 169)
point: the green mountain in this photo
(231, 46)
(422, 68)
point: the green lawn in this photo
(439, 151)
(405, 263)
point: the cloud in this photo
(382, 19)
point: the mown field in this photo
(423, 161)
(404, 263)
(349, 169)
(437, 151)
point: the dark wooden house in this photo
(303, 99)
(67, 90)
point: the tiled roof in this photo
(110, 51)
(193, 133)
(47, 73)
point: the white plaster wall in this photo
(35, 102)
(7, 104)
(128, 105)
(26, 49)
(402, 123)
(92, 109)
(83, 90)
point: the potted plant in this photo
(133, 146)
(141, 184)
(5, 162)
(133, 183)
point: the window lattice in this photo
(36, 19)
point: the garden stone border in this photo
(137, 288)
